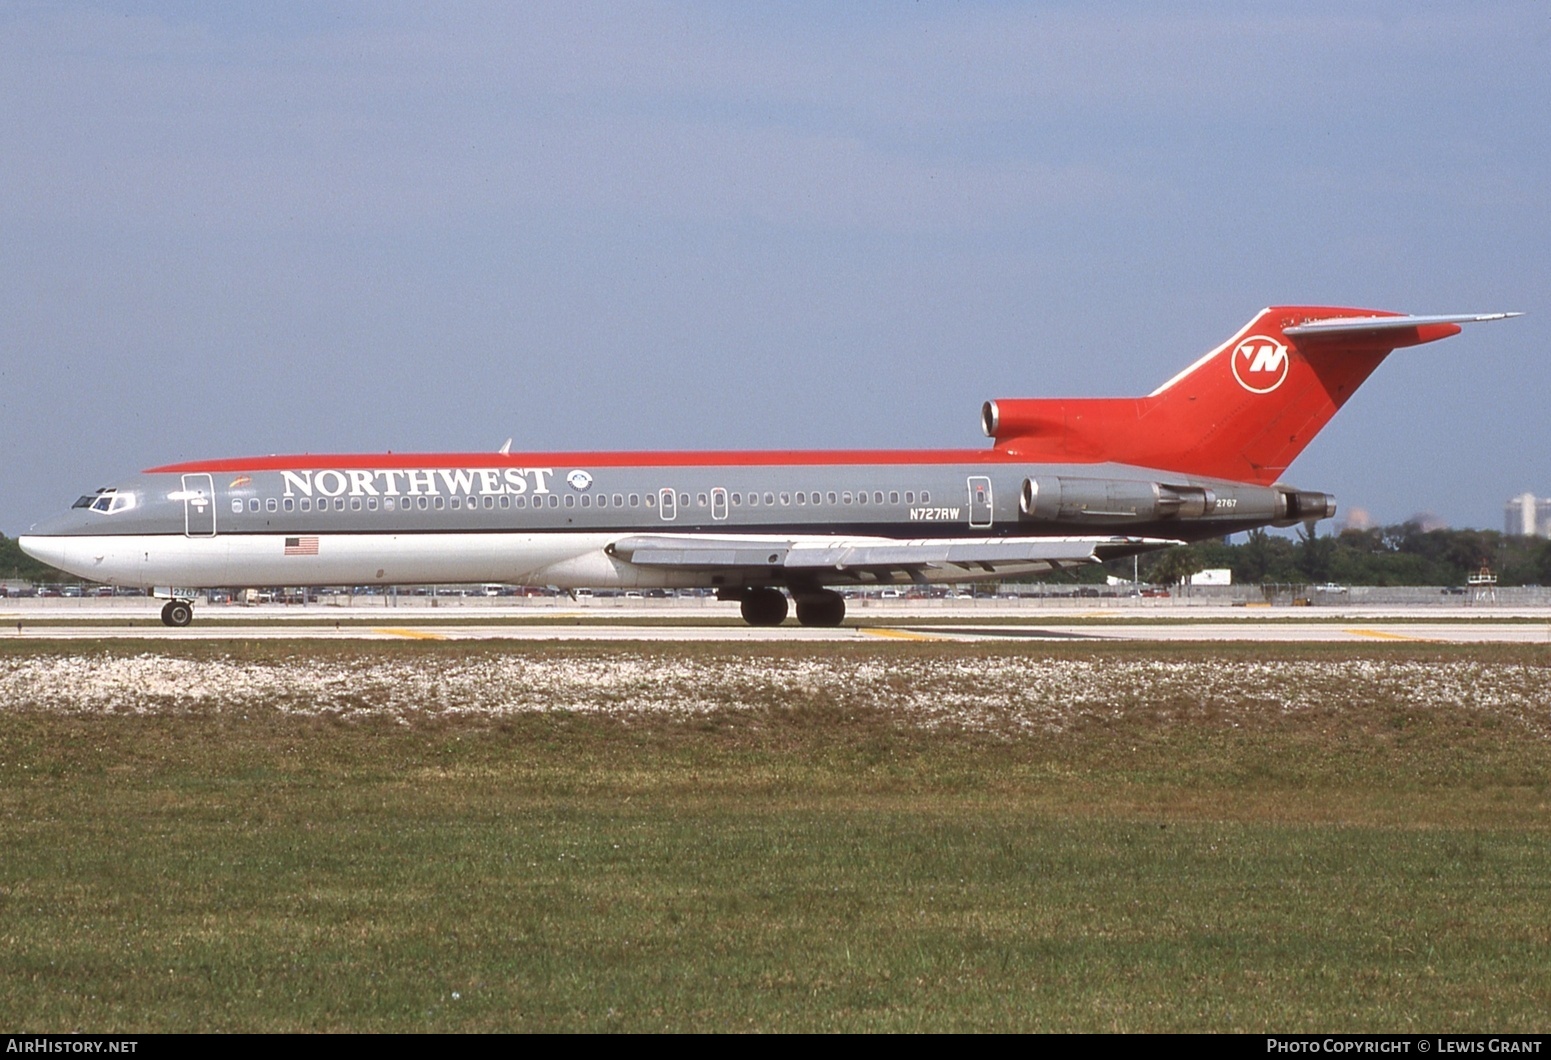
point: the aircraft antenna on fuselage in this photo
(506, 448)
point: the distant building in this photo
(1214, 576)
(1357, 519)
(1529, 515)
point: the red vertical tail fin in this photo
(1243, 412)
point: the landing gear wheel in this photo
(764, 607)
(177, 613)
(825, 608)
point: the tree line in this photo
(1403, 554)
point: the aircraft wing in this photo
(849, 559)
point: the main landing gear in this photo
(823, 608)
(767, 607)
(764, 607)
(177, 613)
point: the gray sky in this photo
(357, 227)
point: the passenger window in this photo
(522, 502)
(236, 505)
(253, 505)
(861, 496)
(737, 499)
(554, 502)
(438, 504)
(270, 505)
(651, 501)
(877, 498)
(586, 501)
(506, 502)
(769, 499)
(786, 498)
(832, 496)
(388, 504)
(619, 500)
(339, 504)
(289, 504)
(700, 500)
(910, 496)
(371, 504)
(355, 504)
(635, 499)
(570, 500)
(845, 498)
(423, 503)
(802, 498)
(926, 498)
(306, 504)
(455, 503)
(894, 496)
(683, 500)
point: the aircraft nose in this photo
(55, 551)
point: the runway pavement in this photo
(709, 621)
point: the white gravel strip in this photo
(996, 694)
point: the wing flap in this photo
(845, 558)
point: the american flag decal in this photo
(301, 546)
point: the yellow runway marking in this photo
(413, 634)
(1380, 634)
(899, 634)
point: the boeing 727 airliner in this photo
(1064, 483)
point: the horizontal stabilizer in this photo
(1361, 325)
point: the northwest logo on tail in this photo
(1260, 364)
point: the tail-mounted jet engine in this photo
(1104, 501)
(1302, 506)
(1060, 498)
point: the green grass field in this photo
(428, 836)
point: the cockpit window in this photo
(86, 501)
(110, 502)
